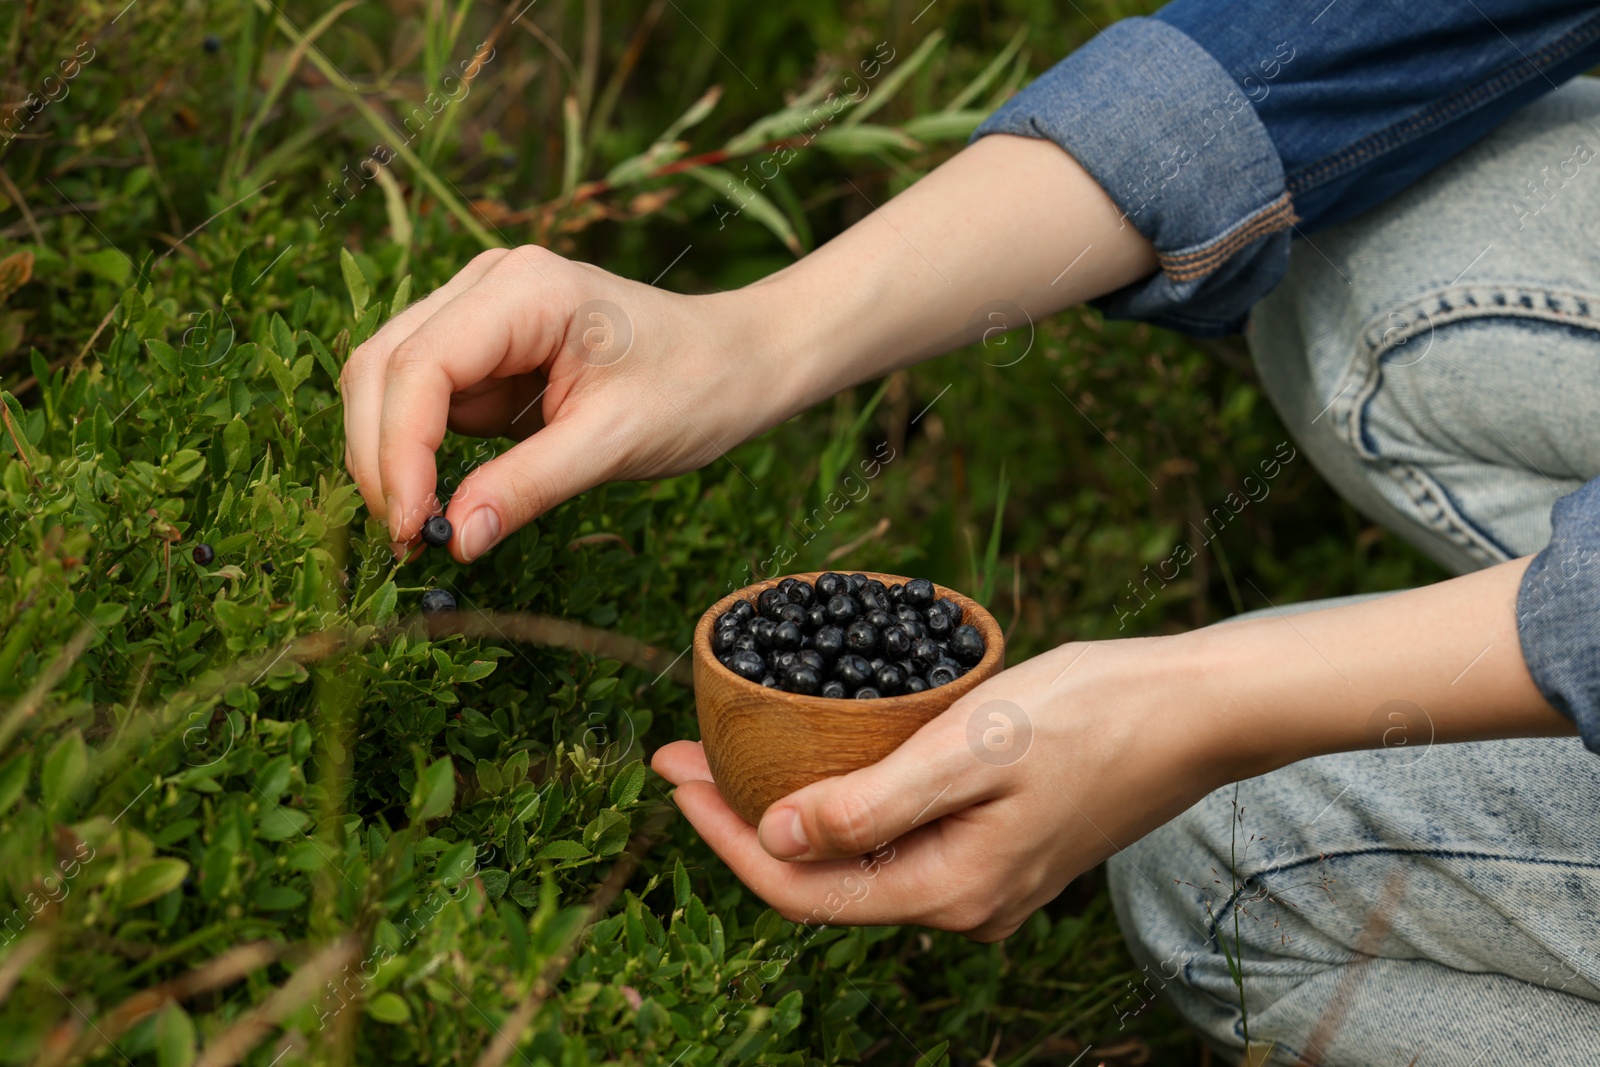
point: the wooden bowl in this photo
(763, 744)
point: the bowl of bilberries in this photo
(813, 675)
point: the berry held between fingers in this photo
(436, 531)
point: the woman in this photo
(1406, 231)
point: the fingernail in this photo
(479, 532)
(391, 505)
(782, 835)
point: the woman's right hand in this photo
(598, 378)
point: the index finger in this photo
(509, 322)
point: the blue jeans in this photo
(1438, 360)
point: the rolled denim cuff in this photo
(1558, 612)
(1163, 129)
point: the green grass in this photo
(286, 771)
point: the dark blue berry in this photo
(875, 662)
(916, 684)
(722, 641)
(769, 681)
(816, 616)
(889, 679)
(784, 660)
(742, 611)
(852, 670)
(803, 679)
(896, 641)
(745, 643)
(879, 618)
(435, 601)
(919, 592)
(842, 610)
(950, 608)
(939, 624)
(204, 554)
(830, 585)
(786, 585)
(861, 637)
(813, 659)
(769, 602)
(873, 600)
(829, 641)
(761, 630)
(866, 692)
(857, 582)
(897, 593)
(212, 44)
(943, 673)
(966, 646)
(436, 531)
(834, 689)
(801, 593)
(792, 613)
(748, 665)
(786, 637)
(267, 567)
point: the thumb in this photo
(561, 460)
(931, 775)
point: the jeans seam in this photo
(1433, 506)
(1396, 135)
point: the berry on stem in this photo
(204, 554)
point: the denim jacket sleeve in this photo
(1222, 128)
(1558, 612)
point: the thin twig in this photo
(230, 1046)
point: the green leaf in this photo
(13, 779)
(680, 884)
(864, 140)
(402, 297)
(495, 881)
(489, 777)
(625, 788)
(236, 443)
(274, 778)
(389, 1008)
(164, 355)
(279, 823)
(155, 879)
(884, 91)
(562, 850)
(109, 264)
(279, 898)
(383, 603)
(455, 864)
(435, 792)
(748, 200)
(355, 281)
(477, 670)
(64, 769)
(174, 1037)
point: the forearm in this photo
(1432, 665)
(1008, 219)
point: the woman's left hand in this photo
(989, 810)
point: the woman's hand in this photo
(1048, 768)
(598, 378)
(601, 378)
(988, 811)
